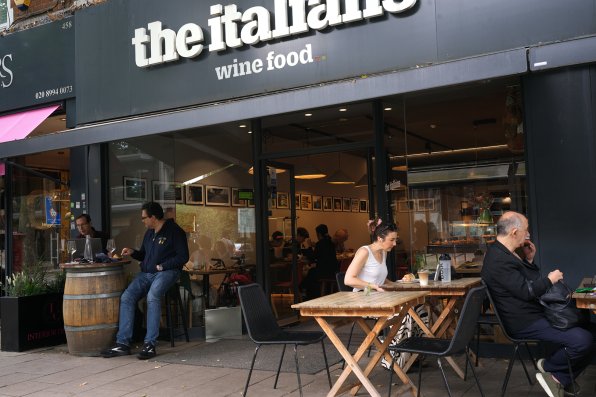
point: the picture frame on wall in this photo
(282, 200)
(405, 205)
(195, 194)
(425, 205)
(217, 196)
(346, 205)
(363, 205)
(337, 204)
(317, 203)
(327, 203)
(306, 202)
(135, 189)
(167, 192)
(236, 201)
(355, 205)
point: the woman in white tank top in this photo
(368, 268)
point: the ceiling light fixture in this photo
(242, 126)
(362, 182)
(307, 114)
(343, 109)
(339, 177)
(308, 171)
(388, 109)
(443, 152)
(277, 170)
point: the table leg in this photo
(351, 362)
(206, 290)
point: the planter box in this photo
(29, 322)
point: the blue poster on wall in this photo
(52, 215)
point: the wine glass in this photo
(111, 246)
(71, 246)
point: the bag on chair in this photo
(560, 308)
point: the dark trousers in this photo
(580, 344)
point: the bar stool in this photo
(173, 298)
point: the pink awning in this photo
(19, 125)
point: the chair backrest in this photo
(496, 311)
(466, 325)
(341, 285)
(260, 321)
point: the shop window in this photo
(5, 14)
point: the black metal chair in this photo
(264, 330)
(516, 343)
(447, 347)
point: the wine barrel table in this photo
(91, 305)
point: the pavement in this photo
(53, 372)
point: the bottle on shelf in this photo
(445, 262)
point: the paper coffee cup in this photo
(423, 277)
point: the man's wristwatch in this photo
(159, 268)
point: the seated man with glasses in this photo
(85, 228)
(162, 255)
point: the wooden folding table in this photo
(387, 308)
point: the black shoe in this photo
(118, 350)
(147, 352)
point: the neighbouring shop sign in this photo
(37, 65)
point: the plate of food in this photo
(408, 278)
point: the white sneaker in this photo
(550, 386)
(540, 365)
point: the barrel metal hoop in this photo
(93, 274)
(92, 296)
(90, 327)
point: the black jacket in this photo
(506, 277)
(168, 248)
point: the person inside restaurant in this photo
(85, 228)
(515, 282)
(162, 255)
(305, 245)
(339, 240)
(326, 264)
(277, 244)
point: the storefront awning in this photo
(18, 125)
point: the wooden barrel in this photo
(91, 306)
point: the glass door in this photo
(283, 265)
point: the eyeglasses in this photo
(82, 224)
(144, 217)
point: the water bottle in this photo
(445, 261)
(88, 253)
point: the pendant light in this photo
(308, 171)
(362, 182)
(339, 177)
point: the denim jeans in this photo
(580, 343)
(154, 285)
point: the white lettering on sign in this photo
(231, 28)
(393, 185)
(6, 75)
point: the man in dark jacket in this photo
(85, 228)
(508, 277)
(162, 255)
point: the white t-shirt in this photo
(373, 272)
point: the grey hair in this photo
(506, 223)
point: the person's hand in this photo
(127, 251)
(555, 276)
(529, 250)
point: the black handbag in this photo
(560, 308)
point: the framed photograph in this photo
(363, 205)
(250, 203)
(135, 189)
(425, 205)
(217, 195)
(297, 201)
(317, 203)
(168, 192)
(337, 204)
(355, 205)
(346, 204)
(194, 194)
(327, 203)
(282, 200)
(236, 202)
(306, 202)
(405, 205)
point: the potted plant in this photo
(32, 310)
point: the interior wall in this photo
(560, 120)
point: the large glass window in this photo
(457, 162)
